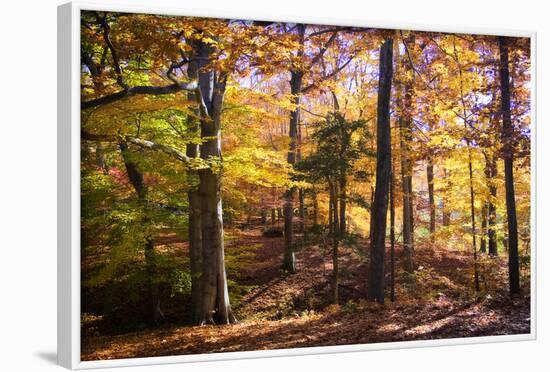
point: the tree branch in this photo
(114, 54)
(323, 49)
(332, 74)
(337, 29)
(152, 90)
(139, 142)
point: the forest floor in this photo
(277, 310)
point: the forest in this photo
(253, 185)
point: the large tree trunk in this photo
(508, 154)
(136, 179)
(375, 290)
(296, 77)
(193, 197)
(215, 306)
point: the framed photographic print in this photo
(246, 185)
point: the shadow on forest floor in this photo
(288, 311)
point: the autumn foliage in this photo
(238, 179)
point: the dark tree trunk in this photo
(508, 154)
(392, 233)
(375, 283)
(272, 216)
(371, 208)
(263, 216)
(430, 177)
(136, 179)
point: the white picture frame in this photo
(69, 186)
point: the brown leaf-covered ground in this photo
(289, 311)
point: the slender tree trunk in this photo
(406, 183)
(136, 179)
(335, 232)
(301, 209)
(430, 177)
(483, 234)
(406, 122)
(375, 290)
(100, 158)
(508, 154)
(315, 208)
(470, 168)
(330, 208)
(272, 216)
(472, 209)
(492, 210)
(392, 233)
(371, 211)
(343, 197)
(446, 220)
(301, 193)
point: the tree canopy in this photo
(242, 171)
